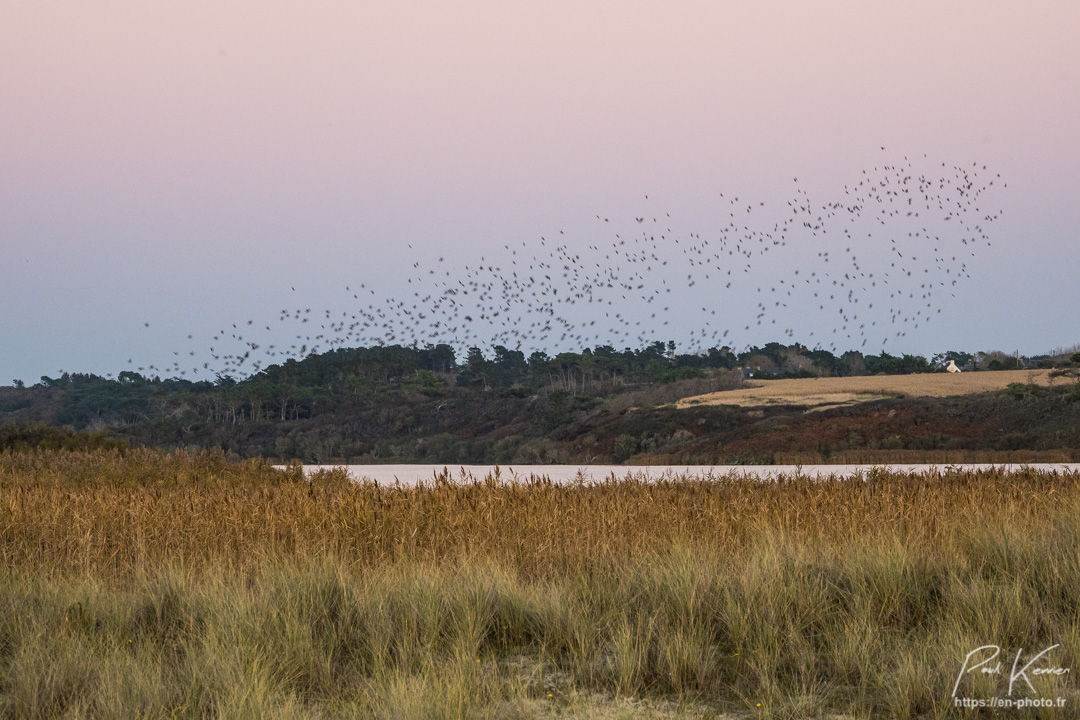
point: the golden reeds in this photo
(101, 513)
(183, 585)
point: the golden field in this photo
(140, 584)
(822, 393)
(112, 514)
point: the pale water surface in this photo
(412, 474)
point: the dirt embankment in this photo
(823, 393)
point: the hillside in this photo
(401, 405)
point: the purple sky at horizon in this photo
(186, 165)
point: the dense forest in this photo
(402, 404)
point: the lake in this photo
(411, 474)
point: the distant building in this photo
(951, 367)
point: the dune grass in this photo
(182, 585)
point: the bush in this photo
(41, 436)
(624, 447)
(890, 365)
(997, 360)
(1020, 391)
(1015, 441)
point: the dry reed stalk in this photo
(182, 585)
(101, 513)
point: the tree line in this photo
(395, 401)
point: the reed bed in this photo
(108, 514)
(183, 585)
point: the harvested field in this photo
(824, 393)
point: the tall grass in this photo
(185, 586)
(107, 514)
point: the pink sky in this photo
(181, 164)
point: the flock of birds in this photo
(865, 267)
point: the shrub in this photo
(1020, 391)
(893, 442)
(624, 447)
(41, 436)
